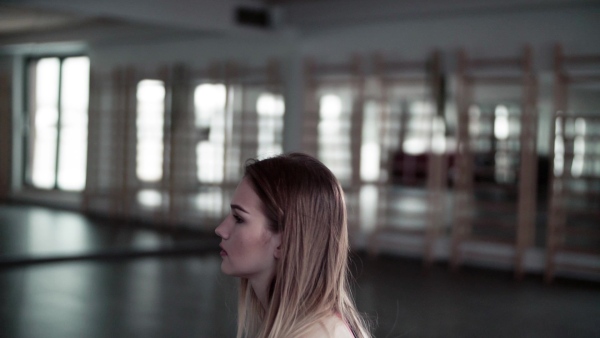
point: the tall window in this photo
(58, 108)
(209, 103)
(419, 128)
(270, 109)
(150, 120)
(370, 148)
(149, 124)
(334, 132)
(578, 165)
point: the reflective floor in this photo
(30, 234)
(170, 293)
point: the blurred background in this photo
(466, 135)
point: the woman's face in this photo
(249, 248)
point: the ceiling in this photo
(23, 20)
(16, 20)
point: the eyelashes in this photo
(238, 219)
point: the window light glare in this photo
(75, 82)
(74, 105)
(210, 202)
(150, 91)
(209, 102)
(419, 126)
(559, 150)
(414, 146)
(270, 105)
(209, 97)
(579, 148)
(578, 160)
(270, 108)
(368, 207)
(45, 122)
(501, 130)
(47, 71)
(44, 158)
(369, 162)
(149, 124)
(149, 198)
(46, 117)
(330, 106)
(210, 162)
(370, 148)
(333, 141)
(72, 159)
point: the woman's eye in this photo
(238, 219)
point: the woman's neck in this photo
(260, 286)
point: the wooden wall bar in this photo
(574, 188)
(420, 178)
(495, 187)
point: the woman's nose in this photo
(220, 230)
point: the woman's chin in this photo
(226, 269)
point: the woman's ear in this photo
(277, 244)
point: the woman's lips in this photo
(223, 252)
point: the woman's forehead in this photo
(246, 197)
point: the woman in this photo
(287, 239)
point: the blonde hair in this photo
(305, 204)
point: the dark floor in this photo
(64, 275)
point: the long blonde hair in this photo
(305, 203)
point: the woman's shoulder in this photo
(329, 327)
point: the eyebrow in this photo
(235, 206)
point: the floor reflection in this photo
(27, 231)
(176, 297)
(188, 296)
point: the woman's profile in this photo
(286, 238)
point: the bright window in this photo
(209, 103)
(270, 109)
(501, 130)
(334, 132)
(579, 148)
(149, 124)
(59, 93)
(370, 148)
(418, 130)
